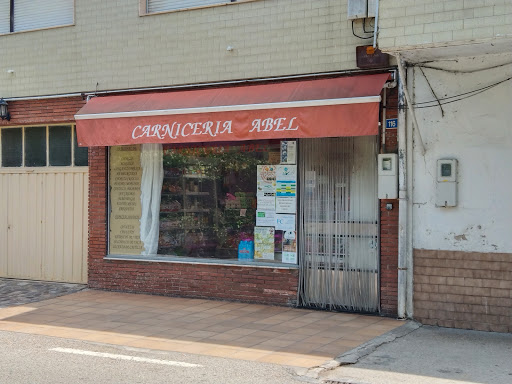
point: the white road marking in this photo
(125, 357)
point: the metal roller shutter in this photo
(170, 5)
(35, 14)
(5, 17)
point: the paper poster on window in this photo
(265, 218)
(266, 179)
(264, 243)
(286, 188)
(285, 204)
(266, 201)
(285, 222)
(288, 152)
(289, 257)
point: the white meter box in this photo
(388, 176)
(446, 183)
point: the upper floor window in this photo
(154, 6)
(41, 146)
(26, 15)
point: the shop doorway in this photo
(338, 242)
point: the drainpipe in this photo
(402, 200)
(376, 27)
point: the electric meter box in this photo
(388, 176)
(446, 183)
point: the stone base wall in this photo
(466, 290)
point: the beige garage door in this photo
(43, 203)
(43, 227)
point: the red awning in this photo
(344, 106)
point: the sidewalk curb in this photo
(354, 355)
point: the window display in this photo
(205, 201)
(208, 205)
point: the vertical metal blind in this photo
(338, 245)
(35, 14)
(171, 5)
(5, 16)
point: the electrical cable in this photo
(361, 37)
(465, 94)
(452, 99)
(459, 71)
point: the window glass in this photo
(208, 203)
(60, 145)
(35, 146)
(224, 201)
(12, 155)
(81, 153)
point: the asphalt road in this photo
(40, 359)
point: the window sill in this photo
(190, 260)
(37, 29)
(143, 13)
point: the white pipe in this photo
(384, 108)
(409, 307)
(401, 71)
(376, 26)
(402, 200)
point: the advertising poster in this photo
(285, 222)
(286, 189)
(266, 201)
(265, 218)
(125, 179)
(288, 152)
(264, 243)
(266, 179)
(289, 254)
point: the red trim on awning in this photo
(345, 106)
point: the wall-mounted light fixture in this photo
(4, 112)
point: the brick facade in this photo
(389, 258)
(229, 282)
(467, 290)
(47, 111)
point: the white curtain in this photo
(151, 160)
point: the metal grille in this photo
(339, 223)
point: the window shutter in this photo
(170, 5)
(5, 16)
(35, 14)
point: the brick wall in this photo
(389, 258)
(46, 111)
(466, 290)
(416, 23)
(249, 284)
(389, 223)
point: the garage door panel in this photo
(46, 216)
(4, 190)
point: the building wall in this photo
(228, 282)
(409, 23)
(469, 290)
(112, 47)
(463, 254)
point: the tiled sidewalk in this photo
(287, 336)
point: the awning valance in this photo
(344, 106)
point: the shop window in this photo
(41, 146)
(60, 146)
(155, 6)
(212, 202)
(35, 146)
(26, 15)
(12, 147)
